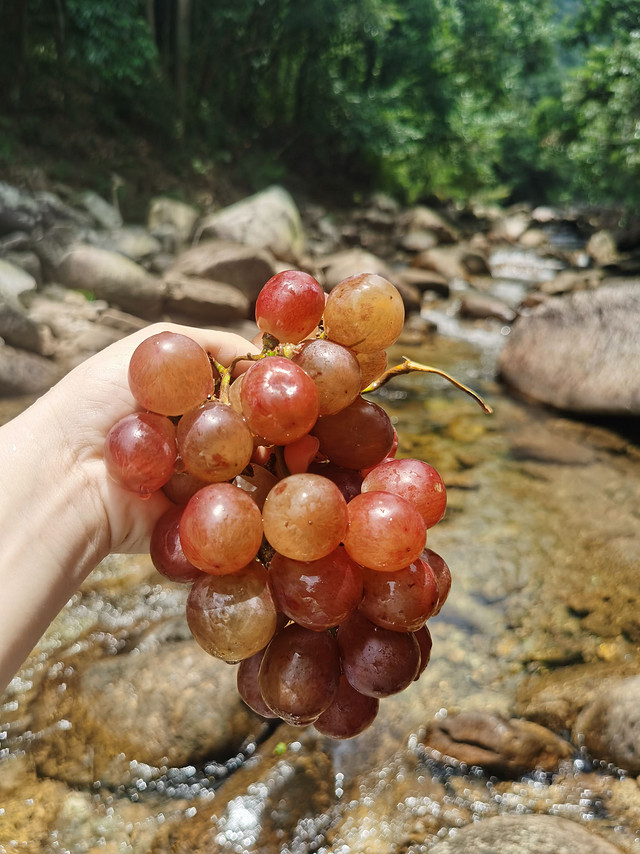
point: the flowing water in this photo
(542, 509)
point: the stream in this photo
(542, 518)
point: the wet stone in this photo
(527, 834)
(609, 726)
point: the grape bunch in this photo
(302, 536)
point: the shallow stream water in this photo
(542, 509)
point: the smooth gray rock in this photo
(25, 373)
(579, 353)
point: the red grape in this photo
(170, 373)
(232, 616)
(335, 371)
(140, 452)
(423, 636)
(414, 480)
(442, 576)
(357, 437)
(166, 551)
(364, 312)
(316, 594)
(377, 662)
(248, 688)
(385, 531)
(279, 400)
(304, 516)
(299, 674)
(349, 714)
(214, 442)
(401, 601)
(220, 529)
(290, 306)
(256, 481)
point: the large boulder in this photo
(19, 330)
(232, 263)
(172, 705)
(580, 352)
(114, 278)
(268, 220)
(204, 301)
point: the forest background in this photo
(500, 100)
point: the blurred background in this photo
(501, 99)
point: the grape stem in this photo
(408, 366)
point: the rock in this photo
(525, 834)
(114, 278)
(221, 261)
(602, 247)
(483, 306)
(533, 238)
(25, 373)
(425, 280)
(453, 262)
(423, 219)
(171, 217)
(205, 301)
(545, 447)
(19, 330)
(496, 744)
(572, 280)
(418, 241)
(168, 706)
(132, 241)
(609, 726)
(105, 215)
(579, 353)
(14, 281)
(268, 220)
(350, 262)
(512, 227)
(27, 261)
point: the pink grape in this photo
(317, 594)
(257, 482)
(214, 442)
(170, 373)
(279, 400)
(181, 486)
(414, 480)
(372, 365)
(304, 516)
(166, 551)
(232, 616)
(299, 674)
(335, 371)
(140, 452)
(290, 306)
(220, 529)
(385, 531)
(364, 312)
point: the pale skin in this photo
(60, 513)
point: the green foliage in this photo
(502, 98)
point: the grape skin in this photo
(414, 480)
(169, 373)
(214, 442)
(385, 531)
(290, 306)
(364, 312)
(357, 437)
(166, 552)
(220, 529)
(335, 371)
(232, 616)
(305, 517)
(140, 452)
(349, 714)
